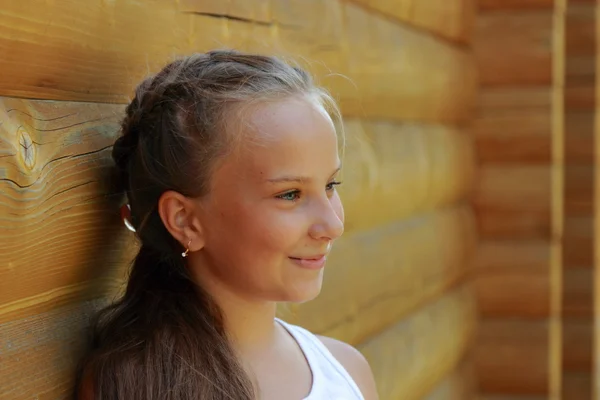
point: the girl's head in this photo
(235, 157)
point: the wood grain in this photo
(450, 19)
(63, 241)
(109, 48)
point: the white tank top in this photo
(330, 381)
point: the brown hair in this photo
(165, 339)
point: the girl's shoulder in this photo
(355, 363)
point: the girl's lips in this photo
(310, 263)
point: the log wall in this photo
(396, 286)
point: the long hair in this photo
(165, 338)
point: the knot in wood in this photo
(27, 150)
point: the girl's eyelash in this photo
(331, 184)
(296, 193)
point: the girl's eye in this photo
(332, 185)
(290, 196)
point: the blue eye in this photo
(290, 196)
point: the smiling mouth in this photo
(313, 263)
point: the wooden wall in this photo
(396, 285)
(535, 114)
(513, 44)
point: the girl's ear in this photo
(178, 214)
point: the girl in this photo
(229, 162)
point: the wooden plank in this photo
(506, 272)
(511, 357)
(410, 357)
(450, 19)
(514, 48)
(109, 48)
(405, 169)
(404, 274)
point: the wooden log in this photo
(457, 385)
(511, 357)
(452, 20)
(410, 357)
(514, 48)
(405, 169)
(404, 273)
(109, 48)
(511, 278)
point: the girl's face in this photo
(273, 211)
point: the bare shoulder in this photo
(355, 363)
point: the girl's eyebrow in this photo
(297, 179)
